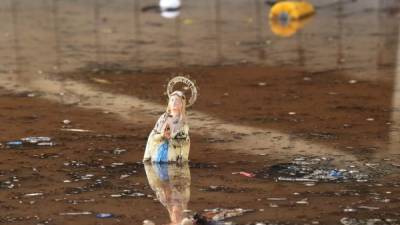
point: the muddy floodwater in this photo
(294, 124)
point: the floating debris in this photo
(75, 130)
(66, 122)
(127, 194)
(148, 222)
(30, 141)
(349, 210)
(75, 213)
(14, 144)
(118, 151)
(310, 170)
(302, 202)
(217, 188)
(104, 215)
(219, 214)
(354, 221)
(277, 199)
(368, 207)
(246, 174)
(33, 194)
(35, 140)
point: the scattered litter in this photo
(75, 213)
(14, 144)
(310, 170)
(100, 81)
(30, 141)
(128, 193)
(349, 210)
(33, 194)
(75, 130)
(104, 215)
(148, 222)
(353, 81)
(261, 84)
(246, 174)
(118, 151)
(370, 119)
(302, 202)
(354, 221)
(66, 122)
(35, 140)
(273, 205)
(368, 207)
(298, 179)
(277, 199)
(45, 144)
(219, 214)
(123, 176)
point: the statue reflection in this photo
(171, 184)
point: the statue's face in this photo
(175, 104)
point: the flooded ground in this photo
(322, 102)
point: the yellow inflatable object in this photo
(286, 30)
(290, 10)
(288, 17)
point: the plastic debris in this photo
(277, 199)
(310, 170)
(302, 202)
(219, 214)
(246, 174)
(75, 130)
(75, 213)
(33, 194)
(128, 193)
(261, 84)
(354, 221)
(349, 210)
(118, 151)
(35, 140)
(148, 222)
(104, 215)
(368, 207)
(14, 144)
(66, 122)
(38, 141)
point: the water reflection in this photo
(70, 35)
(170, 8)
(171, 185)
(287, 28)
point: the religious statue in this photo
(169, 140)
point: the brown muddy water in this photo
(324, 97)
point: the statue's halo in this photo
(188, 85)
